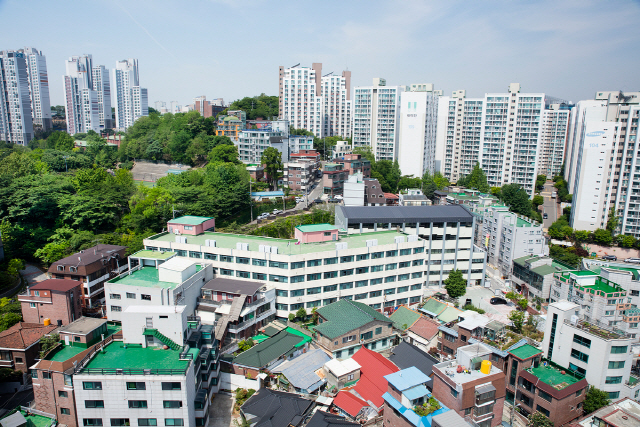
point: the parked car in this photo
(633, 260)
(610, 257)
(277, 211)
(338, 196)
(497, 300)
(317, 201)
(263, 216)
(545, 215)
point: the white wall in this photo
(231, 382)
(169, 321)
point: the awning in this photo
(485, 388)
(476, 359)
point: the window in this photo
(313, 291)
(145, 297)
(131, 296)
(347, 272)
(405, 252)
(137, 404)
(94, 403)
(282, 306)
(259, 276)
(147, 422)
(314, 276)
(348, 339)
(193, 254)
(361, 283)
(62, 393)
(366, 335)
(210, 256)
(348, 258)
(92, 422)
(375, 294)
(116, 308)
(375, 281)
(378, 331)
(93, 385)
(392, 253)
(613, 380)
(614, 395)
(392, 266)
(581, 340)
(171, 386)
(404, 264)
(312, 304)
(120, 422)
(580, 355)
(112, 296)
(330, 288)
(617, 349)
(389, 279)
(314, 263)
(546, 396)
(226, 272)
(297, 293)
(328, 261)
(542, 410)
(297, 279)
(360, 296)
(616, 365)
(347, 285)
(402, 277)
(276, 278)
(298, 264)
(277, 264)
(362, 257)
(172, 404)
(226, 258)
(65, 411)
(330, 274)
(282, 293)
(377, 255)
(136, 386)
(418, 250)
(390, 291)
(376, 268)
(453, 392)
(362, 270)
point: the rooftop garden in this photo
(427, 407)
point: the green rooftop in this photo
(65, 352)
(553, 377)
(316, 227)
(403, 318)
(285, 246)
(136, 359)
(434, 306)
(525, 351)
(449, 314)
(543, 270)
(344, 316)
(584, 273)
(146, 277)
(271, 349)
(152, 254)
(33, 420)
(190, 220)
(523, 223)
(603, 286)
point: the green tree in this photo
(594, 399)
(538, 419)
(301, 313)
(581, 235)
(612, 221)
(602, 237)
(440, 180)
(517, 320)
(523, 304)
(455, 284)
(537, 200)
(429, 186)
(516, 197)
(476, 180)
(540, 181)
(272, 161)
(625, 241)
(263, 106)
(224, 154)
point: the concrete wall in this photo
(169, 324)
(231, 382)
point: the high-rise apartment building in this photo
(418, 121)
(100, 79)
(39, 88)
(131, 99)
(319, 104)
(16, 122)
(376, 118)
(553, 138)
(602, 169)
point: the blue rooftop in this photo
(416, 392)
(267, 194)
(407, 378)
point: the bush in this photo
(473, 308)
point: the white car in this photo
(263, 216)
(276, 211)
(633, 260)
(337, 196)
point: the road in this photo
(550, 205)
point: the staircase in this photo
(163, 339)
(233, 316)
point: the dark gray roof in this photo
(440, 193)
(275, 408)
(89, 256)
(406, 355)
(324, 419)
(415, 197)
(83, 325)
(395, 214)
(232, 286)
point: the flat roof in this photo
(135, 357)
(177, 264)
(602, 286)
(146, 277)
(462, 377)
(544, 270)
(189, 220)
(525, 351)
(316, 227)
(83, 325)
(285, 246)
(395, 214)
(233, 286)
(152, 254)
(554, 377)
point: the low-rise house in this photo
(93, 267)
(344, 326)
(20, 345)
(333, 178)
(373, 194)
(270, 408)
(341, 373)
(354, 163)
(324, 419)
(471, 385)
(373, 369)
(351, 406)
(423, 333)
(191, 225)
(413, 197)
(403, 318)
(300, 375)
(405, 355)
(532, 276)
(391, 199)
(440, 311)
(59, 300)
(622, 413)
(439, 197)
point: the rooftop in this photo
(88, 256)
(316, 227)
(146, 277)
(135, 360)
(269, 408)
(395, 214)
(83, 325)
(324, 419)
(62, 285)
(373, 367)
(543, 270)
(403, 318)
(344, 315)
(425, 328)
(603, 286)
(190, 220)
(270, 349)
(406, 355)
(465, 376)
(285, 246)
(407, 378)
(525, 351)
(554, 377)
(342, 367)
(233, 286)
(152, 254)
(23, 334)
(301, 370)
(349, 402)
(17, 418)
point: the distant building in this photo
(333, 178)
(406, 355)
(373, 194)
(16, 120)
(298, 175)
(618, 414)
(354, 163)
(341, 149)
(413, 197)
(131, 99)
(57, 300)
(207, 108)
(231, 124)
(533, 276)
(39, 89)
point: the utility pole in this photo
(250, 200)
(174, 211)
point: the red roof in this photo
(373, 367)
(425, 328)
(22, 334)
(391, 196)
(62, 285)
(349, 402)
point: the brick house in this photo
(333, 178)
(354, 163)
(541, 386)
(461, 386)
(373, 194)
(92, 267)
(59, 300)
(20, 345)
(344, 326)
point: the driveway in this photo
(220, 411)
(33, 274)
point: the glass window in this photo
(578, 339)
(282, 293)
(375, 294)
(173, 422)
(330, 288)
(360, 296)
(375, 281)
(312, 304)
(328, 261)
(330, 274)
(259, 262)
(313, 291)
(172, 404)
(389, 279)
(243, 274)
(613, 380)
(92, 385)
(242, 260)
(171, 386)
(392, 266)
(94, 403)
(226, 258)
(377, 255)
(348, 258)
(617, 349)
(297, 292)
(418, 250)
(378, 331)
(376, 268)
(137, 404)
(210, 256)
(616, 365)
(392, 253)
(92, 421)
(361, 283)
(314, 263)
(136, 386)
(362, 257)
(405, 252)
(402, 277)
(347, 285)
(147, 422)
(297, 279)
(314, 276)
(259, 276)
(403, 289)
(276, 278)
(277, 264)
(297, 264)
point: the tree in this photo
(594, 399)
(455, 284)
(537, 200)
(517, 319)
(523, 304)
(476, 180)
(314, 315)
(14, 266)
(429, 186)
(272, 161)
(602, 237)
(626, 241)
(225, 154)
(440, 180)
(539, 420)
(612, 221)
(262, 106)
(581, 235)
(516, 197)
(540, 181)
(301, 313)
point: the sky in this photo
(232, 49)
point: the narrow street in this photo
(550, 206)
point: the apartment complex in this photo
(417, 130)
(376, 118)
(39, 88)
(83, 94)
(317, 103)
(601, 354)
(131, 99)
(602, 162)
(553, 138)
(16, 121)
(208, 108)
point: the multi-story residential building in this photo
(300, 143)
(333, 178)
(16, 121)
(207, 108)
(319, 104)
(56, 300)
(373, 194)
(39, 88)
(251, 143)
(413, 197)
(533, 275)
(20, 345)
(102, 86)
(131, 99)
(341, 149)
(92, 267)
(471, 385)
(81, 98)
(617, 414)
(508, 236)
(381, 260)
(363, 192)
(299, 175)
(354, 163)
(376, 119)
(601, 162)
(232, 124)
(601, 354)
(536, 385)
(622, 274)
(418, 123)
(553, 138)
(470, 329)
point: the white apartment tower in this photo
(81, 97)
(418, 122)
(321, 105)
(553, 138)
(39, 88)
(376, 118)
(603, 169)
(102, 86)
(16, 122)
(131, 99)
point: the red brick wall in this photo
(47, 399)
(391, 418)
(60, 308)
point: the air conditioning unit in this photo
(412, 238)
(274, 249)
(399, 239)
(210, 243)
(372, 242)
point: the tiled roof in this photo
(324, 419)
(22, 335)
(349, 402)
(268, 350)
(373, 368)
(403, 318)
(449, 314)
(88, 256)
(406, 355)
(344, 316)
(62, 285)
(425, 328)
(275, 408)
(525, 351)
